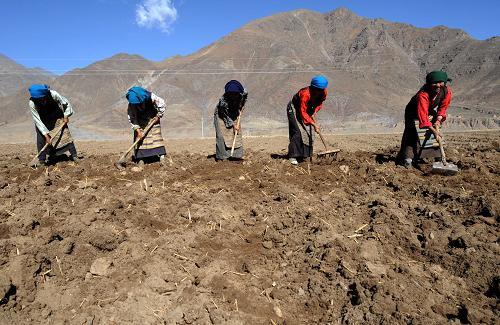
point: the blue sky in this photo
(59, 35)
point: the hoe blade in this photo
(447, 169)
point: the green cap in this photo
(436, 76)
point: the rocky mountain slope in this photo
(374, 67)
(14, 76)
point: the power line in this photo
(217, 71)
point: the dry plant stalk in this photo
(233, 272)
(300, 169)
(83, 301)
(59, 265)
(348, 269)
(44, 274)
(326, 222)
(361, 228)
(186, 270)
(154, 312)
(184, 258)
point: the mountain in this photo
(374, 67)
(14, 76)
(14, 81)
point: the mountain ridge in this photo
(374, 67)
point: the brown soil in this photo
(253, 242)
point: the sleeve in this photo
(320, 106)
(36, 117)
(423, 110)
(63, 103)
(445, 103)
(159, 104)
(304, 99)
(223, 114)
(132, 118)
(244, 97)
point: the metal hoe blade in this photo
(329, 153)
(120, 164)
(444, 168)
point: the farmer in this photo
(227, 121)
(50, 112)
(144, 108)
(424, 114)
(301, 111)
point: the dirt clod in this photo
(376, 245)
(101, 266)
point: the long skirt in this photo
(301, 136)
(224, 141)
(152, 145)
(417, 143)
(61, 142)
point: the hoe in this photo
(443, 167)
(327, 153)
(120, 164)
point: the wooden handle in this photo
(146, 130)
(48, 144)
(443, 159)
(322, 140)
(235, 135)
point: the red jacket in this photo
(427, 101)
(306, 107)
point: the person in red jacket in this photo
(301, 111)
(424, 114)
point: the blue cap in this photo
(234, 86)
(137, 95)
(319, 81)
(39, 91)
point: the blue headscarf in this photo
(319, 81)
(137, 95)
(234, 86)
(39, 91)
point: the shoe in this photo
(294, 161)
(163, 161)
(39, 163)
(75, 159)
(408, 163)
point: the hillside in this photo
(374, 67)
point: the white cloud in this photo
(156, 14)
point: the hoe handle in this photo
(48, 144)
(146, 130)
(235, 134)
(440, 141)
(322, 140)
